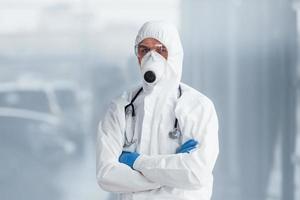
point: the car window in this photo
(66, 99)
(25, 99)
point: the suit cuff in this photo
(139, 163)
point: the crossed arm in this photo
(187, 171)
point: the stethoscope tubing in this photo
(172, 134)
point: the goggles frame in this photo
(141, 50)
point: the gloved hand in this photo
(128, 158)
(187, 146)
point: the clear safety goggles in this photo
(141, 50)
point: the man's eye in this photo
(162, 50)
(144, 50)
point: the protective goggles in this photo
(141, 50)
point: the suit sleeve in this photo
(187, 170)
(111, 175)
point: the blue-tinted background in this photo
(62, 61)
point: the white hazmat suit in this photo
(158, 173)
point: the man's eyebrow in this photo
(142, 45)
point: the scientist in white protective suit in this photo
(160, 140)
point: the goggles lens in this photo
(141, 50)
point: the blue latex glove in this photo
(128, 158)
(187, 146)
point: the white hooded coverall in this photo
(159, 173)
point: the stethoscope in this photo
(173, 134)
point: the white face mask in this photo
(153, 67)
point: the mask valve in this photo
(149, 76)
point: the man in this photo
(160, 140)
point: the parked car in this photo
(40, 132)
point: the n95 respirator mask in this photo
(153, 66)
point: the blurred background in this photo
(62, 61)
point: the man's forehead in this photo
(150, 41)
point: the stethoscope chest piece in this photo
(129, 143)
(175, 133)
(128, 111)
